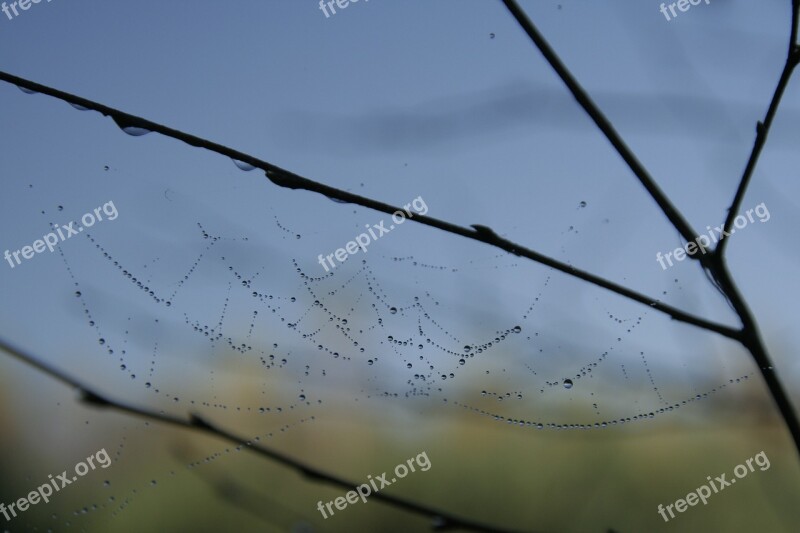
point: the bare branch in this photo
(762, 128)
(285, 178)
(755, 345)
(442, 520)
(600, 120)
(714, 264)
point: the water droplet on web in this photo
(517, 329)
(393, 310)
(26, 91)
(61, 208)
(567, 383)
(78, 294)
(79, 107)
(101, 341)
(582, 204)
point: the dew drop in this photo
(131, 130)
(135, 132)
(241, 165)
(517, 329)
(101, 341)
(78, 294)
(582, 204)
(567, 383)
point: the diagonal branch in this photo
(762, 130)
(600, 120)
(753, 342)
(442, 520)
(714, 263)
(285, 178)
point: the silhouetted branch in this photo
(442, 520)
(762, 130)
(714, 263)
(285, 178)
(600, 120)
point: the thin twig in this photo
(442, 520)
(600, 120)
(762, 130)
(714, 263)
(755, 345)
(285, 178)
